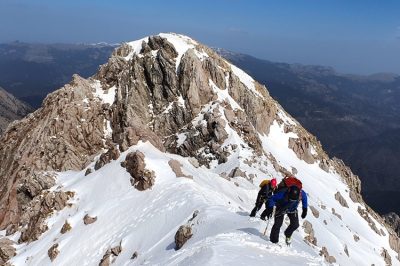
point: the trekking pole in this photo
(266, 228)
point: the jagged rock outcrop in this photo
(11, 109)
(364, 214)
(7, 250)
(302, 148)
(62, 135)
(141, 178)
(351, 179)
(37, 211)
(394, 221)
(105, 158)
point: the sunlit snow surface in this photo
(146, 221)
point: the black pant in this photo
(294, 224)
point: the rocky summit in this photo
(157, 158)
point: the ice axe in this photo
(266, 228)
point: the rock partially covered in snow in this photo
(142, 178)
(394, 221)
(110, 255)
(53, 252)
(38, 210)
(89, 220)
(7, 250)
(111, 154)
(183, 234)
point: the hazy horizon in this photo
(355, 37)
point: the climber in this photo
(286, 202)
(267, 188)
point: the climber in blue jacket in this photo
(286, 202)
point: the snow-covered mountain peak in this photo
(169, 134)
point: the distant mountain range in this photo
(31, 71)
(357, 118)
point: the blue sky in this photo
(354, 36)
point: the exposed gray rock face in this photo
(11, 109)
(302, 149)
(394, 221)
(62, 135)
(142, 178)
(36, 212)
(351, 180)
(364, 214)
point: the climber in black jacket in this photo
(267, 187)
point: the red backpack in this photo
(288, 182)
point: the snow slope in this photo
(146, 221)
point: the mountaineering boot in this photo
(288, 240)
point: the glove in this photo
(304, 213)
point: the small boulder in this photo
(88, 171)
(176, 167)
(53, 252)
(324, 252)
(142, 178)
(314, 211)
(308, 229)
(110, 255)
(183, 234)
(89, 220)
(386, 257)
(66, 227)
(341, 200)
(105, 158)
(134, 255)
